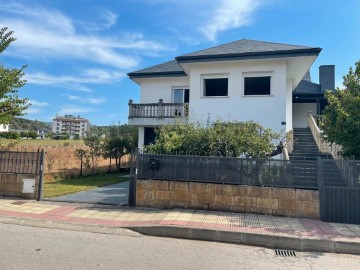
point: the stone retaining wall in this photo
(13, 185)
(235, 198)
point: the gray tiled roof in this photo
(307, 87)
(246, 47)
(169, 68)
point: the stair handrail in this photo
(323, 145)
(285, 153)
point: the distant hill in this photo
(22, 123)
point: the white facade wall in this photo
(270, 111)
(4, 128)
(154, 89)
(289, 105)
(300, 111)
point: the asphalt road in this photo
(37, 248)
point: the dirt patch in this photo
(61, 161)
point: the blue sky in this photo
(78, 52)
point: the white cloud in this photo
(32, 110)
(75, 82)
(48, 34)
(72, 109)
(38, 103)
(93, 101)
(230, 14)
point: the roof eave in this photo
(251, 55)
(156, 74)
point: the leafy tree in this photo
(11, 80)
(94, 140)
(228, 139)
(119, 141)
(28, 134)
(83, 156)
(50, 135)
(10, 135)
(341, 122)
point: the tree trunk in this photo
(81, 166)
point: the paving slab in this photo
(237, 228)
(116, 194)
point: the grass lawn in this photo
(73, 185)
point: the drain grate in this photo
(285, 253)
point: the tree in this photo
(228, 139)
(82, 155)
(119, 141)
(341, 123)
(94, 141)
(11, 80)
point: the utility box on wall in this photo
(28, 186)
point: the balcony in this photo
(154, 114)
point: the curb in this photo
(49, 224)
(240, 238)
(252, 239)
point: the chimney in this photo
(327, 77)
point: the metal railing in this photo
(222, 170)
(158, 110)
(20, 162)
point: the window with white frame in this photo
(181, 95)
(257, 84)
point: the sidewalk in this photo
(250, 229)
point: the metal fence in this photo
(338, 181)
(340, 191)
(240, 171)
(20, 162)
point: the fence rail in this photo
(240, 171)
(20, 162)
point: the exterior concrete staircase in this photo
(305, 147)
(304, 161)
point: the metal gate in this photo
(23, 173)
(340, 191)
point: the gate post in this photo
(41, 175)
(133, 176)
(320, 186)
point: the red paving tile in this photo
(311, 228)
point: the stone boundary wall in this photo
(12, 185)
(233, 198)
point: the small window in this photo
(216, 87)
(257, 86)
(181, 95)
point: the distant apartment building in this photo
(71, 125)
(4, 128)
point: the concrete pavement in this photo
(116, 194)
(259, 230)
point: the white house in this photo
(243, 80)
(4, 128)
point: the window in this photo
(257, 86)
(181, 95)
(216, 87)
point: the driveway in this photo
(116, 194)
